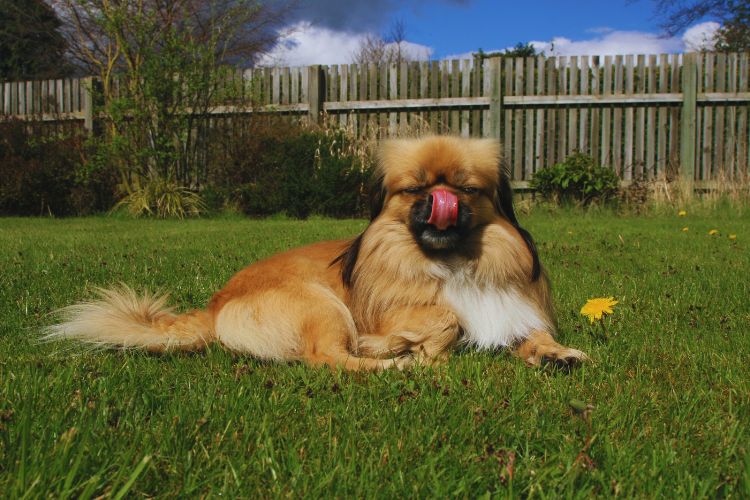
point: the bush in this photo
(273, 167)
(578, 179)
(42, 173)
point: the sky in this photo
(330, 31)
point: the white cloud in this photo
(700, 37)
(304, 43)
(612, 42)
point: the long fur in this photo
(119, 317)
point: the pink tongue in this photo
(444, 209)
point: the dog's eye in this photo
(414, 190)
(469, 190)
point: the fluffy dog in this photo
(443, 261)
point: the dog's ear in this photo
(348, 260)
(377, 196)
(504, 206)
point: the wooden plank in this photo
(528, 156)
(507, 128)
(487, 122)
(286, 97)
(372, 95)
(743, 141)
(315, 93)
(629, 119)
(708, 169)
(719, 125)
(465, 92)
(494, 88)
(276, 86)
(455, 91)
(355, 74)
(730, 137)
(476, 91)
(87, 105)
(424, 88)
(675, 84)
(434, 93)
(687, 125)
(393, 95)
(344, 94)
(518, 89)
(596, 132)
(445, 74)
(551, 141)
(573, 112)
(663, 124)
(583, 113)
(640, 119)
(617, 119)
(562, 114)
(651, 131)
(383, 94)
(404, 92)
(539, 130)
(414, 77)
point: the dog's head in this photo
(442, 189)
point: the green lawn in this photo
(669, 387)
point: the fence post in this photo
(687, 120)
(88, 105)
(315, 92)
(496, 99)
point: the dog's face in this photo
(441, 188)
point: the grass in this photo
(669, 391)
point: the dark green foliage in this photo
(41, 175)
(31, 47)
(734, 34)
(282, 168)
(576, 180)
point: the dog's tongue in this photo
(444, 209)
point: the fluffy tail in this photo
(120, 318)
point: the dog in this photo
(443, 261)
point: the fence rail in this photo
(640, 115)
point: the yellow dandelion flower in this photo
(713, 232)
(595, 309)
(682, 213)
(685, 229)
(732, 236)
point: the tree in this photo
(519, 50)
(162, 65)
(386, 49)
(734, 34)
(31, 45)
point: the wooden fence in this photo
(640, 115)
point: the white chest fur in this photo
(491, 317)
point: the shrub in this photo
(273, 167)
(577, 179)
(42, 173)
(160, 197)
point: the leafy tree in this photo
(519, 50)
(734, 34)
(734, 15)
(31, 45)
(162, 66)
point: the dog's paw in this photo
(556, 355)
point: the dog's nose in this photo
(444, 209)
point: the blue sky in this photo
(329, 31)
(456, 28)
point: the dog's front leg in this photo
(427, 332)
(540, 346)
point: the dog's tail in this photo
(121, 318)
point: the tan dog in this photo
(443, 260)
